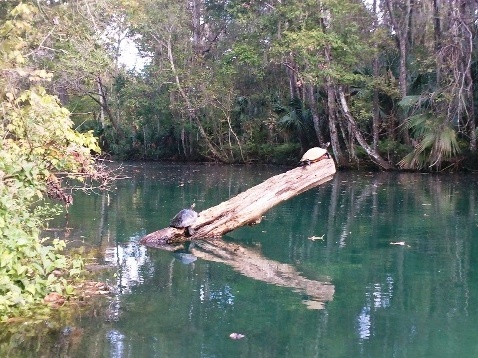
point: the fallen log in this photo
(247, 207)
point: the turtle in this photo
(313, 155)
(184, 219)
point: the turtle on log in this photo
(313, 155)
(184, 219)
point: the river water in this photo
(366, 265)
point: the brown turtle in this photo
(314, 155)
(184, 219)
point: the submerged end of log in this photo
(163, 237)
(247, 207)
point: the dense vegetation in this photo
(390, 82)
(39, 150)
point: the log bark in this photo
(247, 207)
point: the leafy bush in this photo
(38, 147)
(37, 141)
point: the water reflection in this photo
(376, 299)
(364, 323)
(252, 264)
(220, 296)
(117, 346)
(377, 296)
(129, 259)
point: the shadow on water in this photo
(329, 248)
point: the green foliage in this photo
(392, 149)
(437, 142)
(296, 120)
(39, 128)
(286, 153)
(436, 139)
(308, 36)
(26, 265)
(216, 72)
(243, 54)
(37, 142)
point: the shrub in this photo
(38, 148)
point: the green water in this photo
(419, 299)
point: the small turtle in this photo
(184, 219)
(314, 155)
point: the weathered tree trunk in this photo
(191, 110)
(376, 73)
(102, 101)
(358, 135)
(314, 109)
(376, 109)
(292, 73)
(402, 28)
(468, 33)
(248, 207)
(330, 89)
(332, 112)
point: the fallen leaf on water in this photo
(236, 336)
(401, 243)
(313, 238)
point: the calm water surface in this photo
(393, 271)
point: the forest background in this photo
(391, 83)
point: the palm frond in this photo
(289, 121)
(437, 142)
(409, 102)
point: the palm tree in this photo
(434, 137)
(297, 120)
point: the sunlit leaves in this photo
(38, 141)
(314, 29)
(40, 128)
(243, 54)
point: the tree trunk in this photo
(376, 108)
(356, 132)
(309, 88)
(437, 35)
(102, 101)
(467, 33)
(401, 35)
(293, 78)
(196, 13)
(102, 111)
(248, 207)
(376, 72)
(332, 112)
(472, 125)
(329, 87)
(190, 108)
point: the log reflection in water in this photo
(252, 264)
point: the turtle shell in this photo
(313, 155)
(184, 218)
